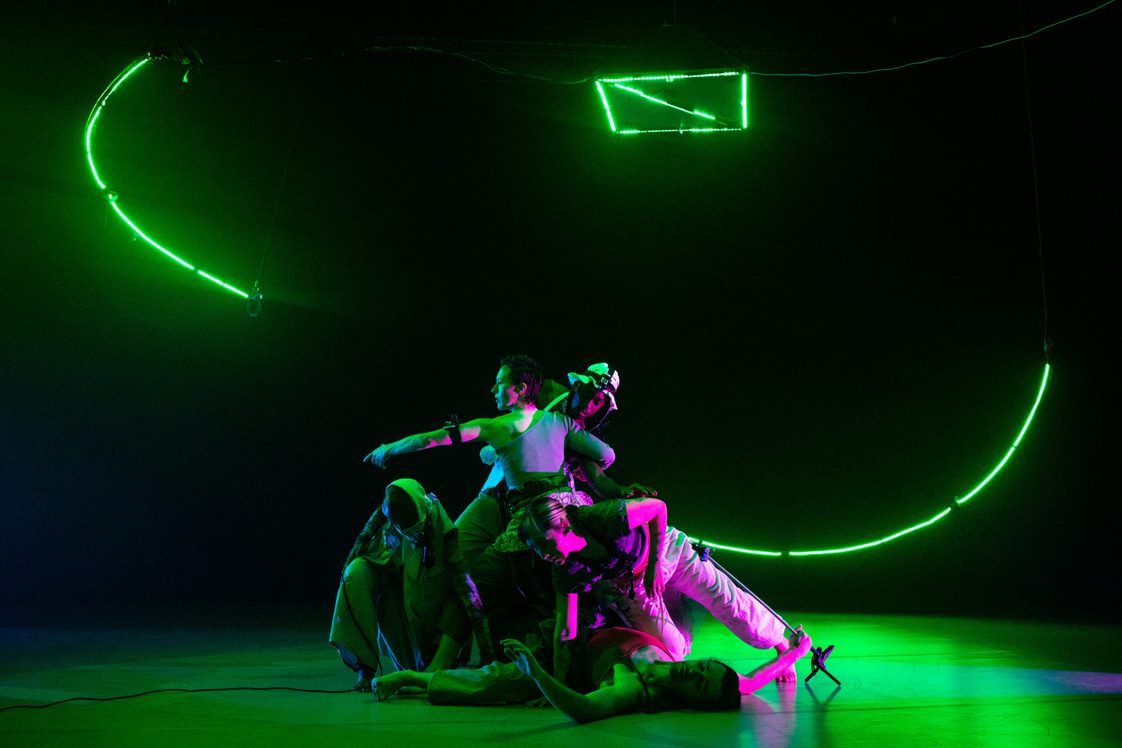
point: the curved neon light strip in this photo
(908, 530)
(112, 196)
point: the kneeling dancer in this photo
(406, 586)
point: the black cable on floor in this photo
(169, 690)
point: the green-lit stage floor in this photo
(906, 681)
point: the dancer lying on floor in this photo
(642, 570)
(617, 671)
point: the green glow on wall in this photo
(926, 523)
(722, 108)
(112, 197)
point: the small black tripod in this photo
(817, 654)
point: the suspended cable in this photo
(502, 70)
(1047, 343)
(940, 58)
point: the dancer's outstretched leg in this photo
(741, 612)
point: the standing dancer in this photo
(531, 447)
(590, 398)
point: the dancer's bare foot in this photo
(790, 675)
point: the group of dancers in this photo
(578, 582)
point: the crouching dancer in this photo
(406, 586)
(618, 671)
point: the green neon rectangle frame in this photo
(676, 102)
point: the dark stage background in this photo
(826, 327)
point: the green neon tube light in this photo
(719, 107)
(671, 77)
(145, 237)
(607, 109)
(657, 100)
(919, 526)
(744, 101)
(89, 150)
(112, 197)
(679, 129)
(121, 78)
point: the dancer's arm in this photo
(771, 669)
(446, 653)
(564, 632)
(652, 513)
(585, 444)
(480, 428)
(606, 488)
(605, 701)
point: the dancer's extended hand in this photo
(378, 457)
(637, 490)
(801, 641)
(521, 656)
(794, 648)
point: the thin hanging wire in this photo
(942, 58)
(503, 70)
(1047, 342)
(280, 188)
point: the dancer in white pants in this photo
(608, 549)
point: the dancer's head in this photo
(708, 685)
(406, 506)
(593, 395)
(545, 527)
(517, 382)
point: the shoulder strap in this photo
(556, 400)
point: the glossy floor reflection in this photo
(920, 681)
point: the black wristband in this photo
(452, 426)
